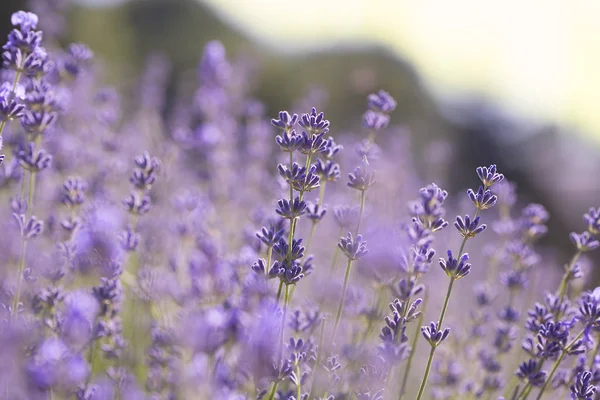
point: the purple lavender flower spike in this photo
(583, 388)
(483, 199)
(468, 228)
(314, 123)
(592, 219)
(381, 102)
(584, 242)
(456, 268)
(489, 175)
(529, 371)
(353, 248)
(433, 335)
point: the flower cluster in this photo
(189, 247)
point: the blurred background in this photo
(513, 82)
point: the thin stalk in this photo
(15, 303)
(594, 353)
(443, 314)
(269, 254)
(426, 375)
(564, 283)
(299, 386)
(512, 385)
(413, 350)
(310, 236)
(314, 223)
(92, 361)
(440, 322)
(17, 296)
(318, 358)
(560, 358)
(340, 310)
(280, 351)
(336, 255)
(286, 299)
(360, 212)
(279, 291)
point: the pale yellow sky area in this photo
(539, 58)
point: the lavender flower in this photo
(456, 268)
(468, 228)
(353, 247)
(434, 335)
(582, 388)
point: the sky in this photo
(537, 58)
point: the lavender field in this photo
(209, 250)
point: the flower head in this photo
(468, 228)
(489, 176)
(434, 335)
(456, 268)
(483, 198)
(353, 247)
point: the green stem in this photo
(318, 358)
(17, 296)
(513, 384)
(286, 299)
(413, 350)
(279, 291)
(362, 206)
(446, 300)
(426, 375)
(309, 240)
(440, 322)
(299, 386)
(340, 310)
(314, 223)
(269, 254)
(564, 283)
(92, 361)
(336, 255)
(594, 353)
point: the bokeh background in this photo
(514, 82)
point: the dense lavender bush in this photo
(212, 255)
